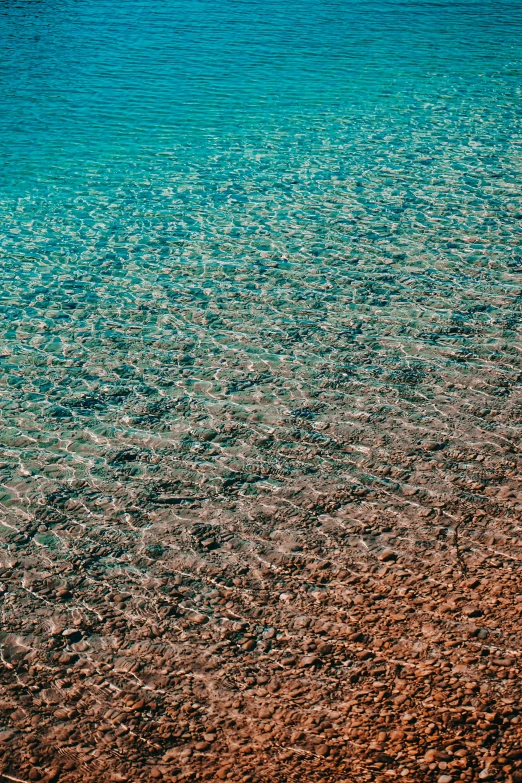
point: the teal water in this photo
(260, 360)
(223, 223)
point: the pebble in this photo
(309, 660)
(328, 652)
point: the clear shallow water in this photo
(260, 312)
(222, 222)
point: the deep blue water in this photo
(227, 212)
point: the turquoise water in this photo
(260, 311)
(228, 227)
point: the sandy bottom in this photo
(260, 399)
(354, 618)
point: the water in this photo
(250, 250)
(195, 197)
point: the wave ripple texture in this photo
(260, 390)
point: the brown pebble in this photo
(309, 660)
(387, 555)
(472, 611)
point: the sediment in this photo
(354, 630)
(260, 509)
